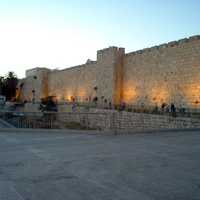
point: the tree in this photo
(9, 86)
(1, 85)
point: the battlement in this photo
(107, 49)
(166, 45)
(109, 52)
(35, 71)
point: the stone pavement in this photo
(66, 166)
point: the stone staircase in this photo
(4, 124)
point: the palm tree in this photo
(11, 75)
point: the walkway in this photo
(78, 166)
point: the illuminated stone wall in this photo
(169, 73)
(93, 79)
(37, 80)
(77, 82)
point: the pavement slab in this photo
(79, 166)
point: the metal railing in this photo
(89, 107)
(107, 120)
(54, 120)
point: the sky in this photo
(64, 33)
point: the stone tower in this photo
(111, 64)
(35, 85)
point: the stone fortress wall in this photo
(36, 79)
(169, 73)
(95, 78)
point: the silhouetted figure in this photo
(167, 108)
(173, 110)
(74, 106)
(122, 106)
(163, 107)
(95, 100)
(110, 105)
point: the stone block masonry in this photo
(168, 73)
(127, 122)
(165, 74)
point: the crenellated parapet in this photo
(166, 45)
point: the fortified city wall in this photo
(36, 80)
(169, 73)
(85, 82)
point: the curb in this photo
(155, 131)
(67, 131)
(97, 132)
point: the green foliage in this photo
(48, 105)
(8, 85)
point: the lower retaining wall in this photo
(101, 121)
(138, 121)
(114, 120)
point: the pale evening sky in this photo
(64, 33)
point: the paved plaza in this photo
(85, 166)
